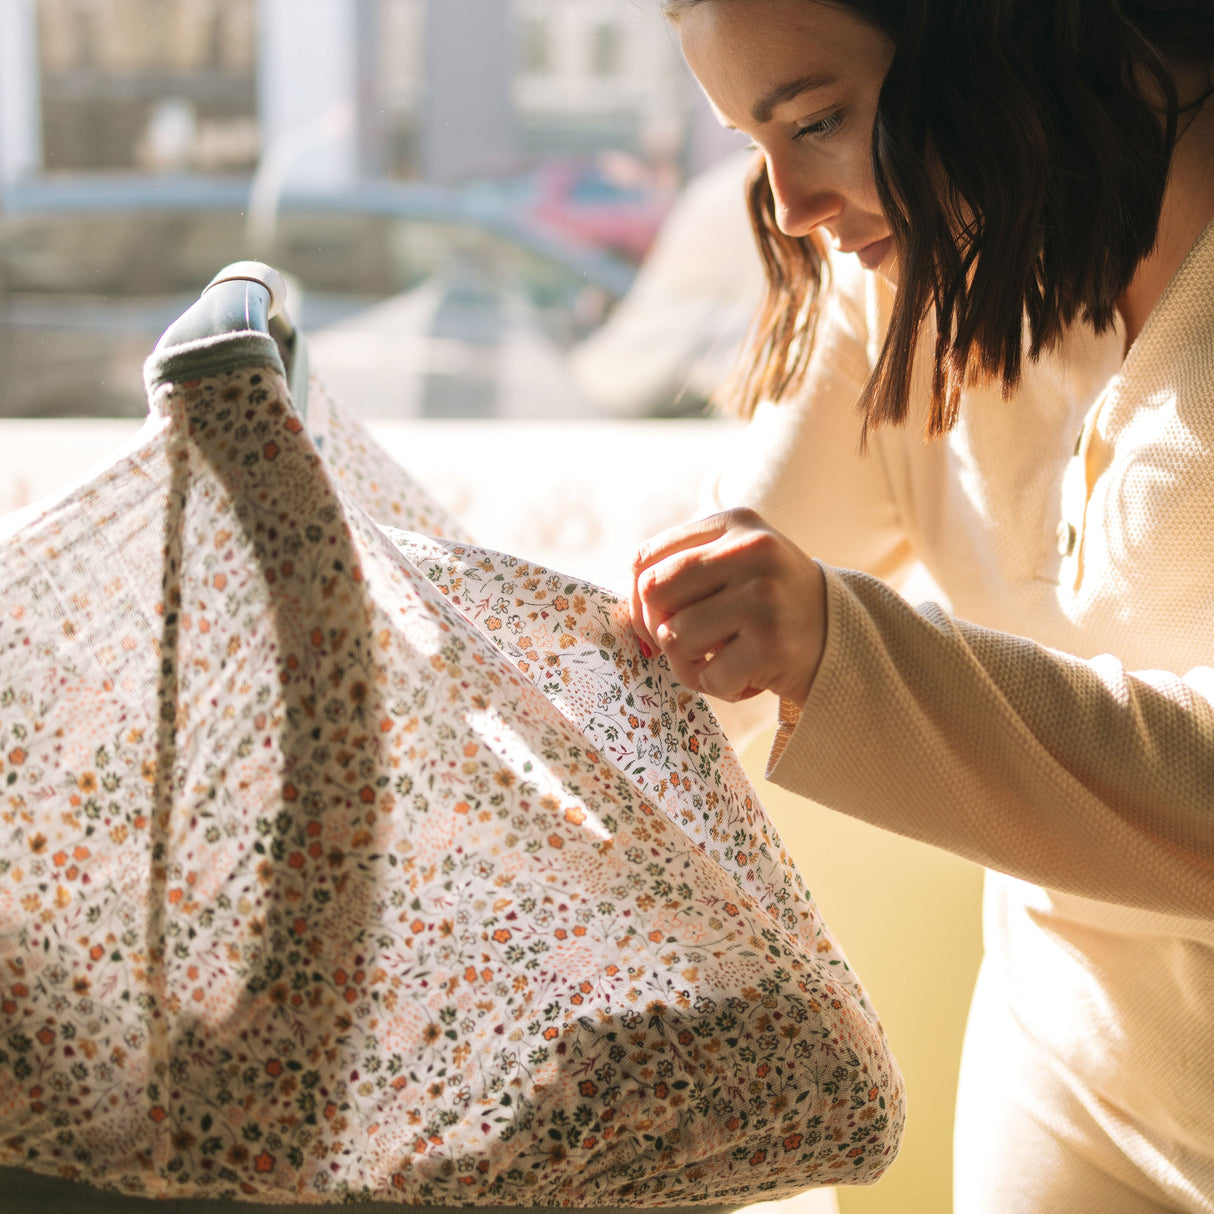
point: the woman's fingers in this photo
(658, 592)
(724, 672)
(703, 627)
(731, 673)
(735, 607)
(686, 535)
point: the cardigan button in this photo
(1067, 535)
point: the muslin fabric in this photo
(342, 861)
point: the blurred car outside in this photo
(611, 201)
(671, 342)
(467, 343)
(94, 270)
(475, 301)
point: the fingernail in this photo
(646, 650)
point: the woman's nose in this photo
(801, 205)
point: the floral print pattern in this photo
(341, 863)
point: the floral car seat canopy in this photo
(341, 859)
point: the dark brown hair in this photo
(1020, 152)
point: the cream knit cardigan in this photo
(1057, 723)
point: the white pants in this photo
(1031, 1139)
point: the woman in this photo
(1038, 182)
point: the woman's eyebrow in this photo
(766, 104)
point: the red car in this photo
(609, 202)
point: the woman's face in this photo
(801, 78)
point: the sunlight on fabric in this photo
(516, 754)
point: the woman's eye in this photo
(823, 127)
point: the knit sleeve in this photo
(1077, 775)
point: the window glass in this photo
(535, 59)
(461, 193)
(148, 85)
(606, 52)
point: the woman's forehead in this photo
(751, 56)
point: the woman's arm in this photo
(799, 465)
(1077, 775)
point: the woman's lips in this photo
(872, 255)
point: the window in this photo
(605, 56)
(462, 190)
(147, 85)
(537, 58)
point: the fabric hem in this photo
(35, 1193)
(208, 356)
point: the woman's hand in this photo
(736, 608)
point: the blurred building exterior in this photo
(431, 89)
(505, 164)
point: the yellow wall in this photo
(909, 918)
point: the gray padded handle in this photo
(244, 297)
